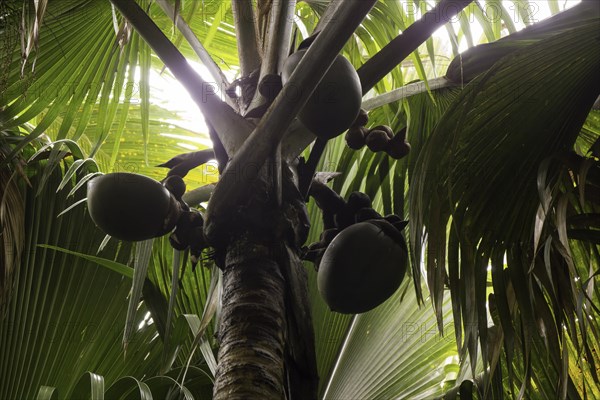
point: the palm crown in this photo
(500, 188)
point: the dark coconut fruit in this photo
(362, 267)
(131, 207)
(335, 103)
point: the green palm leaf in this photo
(471, 184)
(64, 311)
(496, 145)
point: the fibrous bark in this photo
(252, 324)
(300, 357)
(266, 335)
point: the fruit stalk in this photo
(307, 171)
(328, 201)
(268, 134)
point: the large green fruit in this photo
(362, 267)
(131, 207)
(335, 103)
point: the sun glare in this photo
(535, 12)
(171, 95)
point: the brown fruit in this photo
(395, 220)
(362, 267)
(175, 185)
(335, 103)
(131, 207)
(397, 150)
(398, 147)
(328, 234)
(362, 119)
(388, 131)
(355, 137)
(377, 140)
(270, 86)
(358, 200)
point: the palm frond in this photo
(485, 184)
(64, 312)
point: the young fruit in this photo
(328, 234)
(362, 119)
(175, 185)
(398, 147)
(362, 267)
(395, 220)
(270, 86)
(335, 103)
(131, 207)
(377, 140)
(388, 131)
(355, 137)
(397, 150)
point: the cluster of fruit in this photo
(361, 256)
(189, 230)
(339, 215)
(378, 138)
(334, 106)
(134, 207)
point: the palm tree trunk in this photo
(267, 348)
(251, 333)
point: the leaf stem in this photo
(231, 128)
(309, 169)
(266, 137)
(407, 91)
(195, 44)
(408, 41)
(243, 16)
(277, 43)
